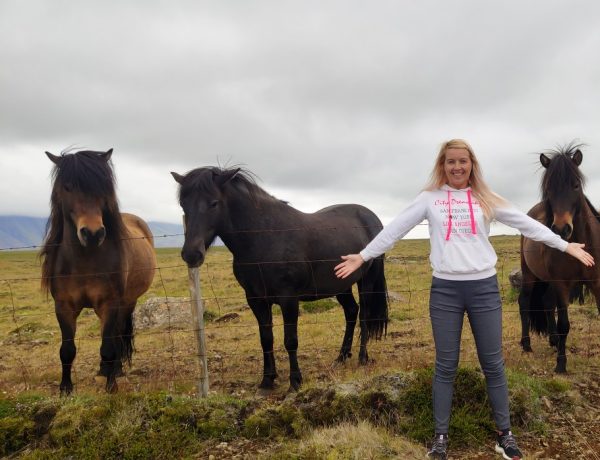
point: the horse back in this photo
(139, 258)
(304, 259)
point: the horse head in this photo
(84, 193)
(202, 198)
(562, 189)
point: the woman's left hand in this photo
(576, 250)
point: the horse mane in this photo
(86, 172)
(595, 212)
(561, 167)
(244, 181)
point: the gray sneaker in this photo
(506, 444)
(439, 447)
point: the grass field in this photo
(165, 355)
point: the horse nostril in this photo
(85, 233)
(566, 231)
(555, 229)
(100, 235)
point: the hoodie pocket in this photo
(466, 255)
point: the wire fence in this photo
(165, 355)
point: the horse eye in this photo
(213, 204)
(576, 186)
(68, 187)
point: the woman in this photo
(459, 206)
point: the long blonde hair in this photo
(487, 198)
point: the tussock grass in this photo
(349, 441)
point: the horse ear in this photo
(577, 157)
(178, 177)
(544, 160)
(106, 155)
(223, 178)
(54, 158)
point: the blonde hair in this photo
(487, 198)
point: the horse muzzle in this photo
(563, 225)
(91, 238)
(193, 257)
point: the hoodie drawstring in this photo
(449, 218)
(473, 227)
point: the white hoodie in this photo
(460, 248)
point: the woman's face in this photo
(457, 166)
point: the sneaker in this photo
(506, 444)
(439, 447)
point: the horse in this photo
(552, 279)
(93, 256)
(282, 256)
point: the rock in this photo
(227, 317)
(516, 278)
(395, 297)
(163, 311)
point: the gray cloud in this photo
(342, 101)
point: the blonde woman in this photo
(459, 206)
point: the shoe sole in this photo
(500, 450)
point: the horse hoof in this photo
(560, 370)
(66, 390)
(342, 357)
(527, 349)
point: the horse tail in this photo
(541, 306)
(126, 343)
(577, 293)
(374, 300)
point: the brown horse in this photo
(550, 277)
(94, 256)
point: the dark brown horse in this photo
(94, 256)
(551, 277)
(282, 256)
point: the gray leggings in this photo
(481, 300)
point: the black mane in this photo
(244, 181)
(88, 173)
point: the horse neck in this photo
(589, 221)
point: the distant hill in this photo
(24, 231)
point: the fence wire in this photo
(165, 356)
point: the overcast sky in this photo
(325, 101)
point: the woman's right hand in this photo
(576, 250)
(350, 264)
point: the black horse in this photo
(282, 256)
(552, 279)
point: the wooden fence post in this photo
(197, 306)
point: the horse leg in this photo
(553, 335)
(562, 330)
(109, 350)
(264, 315)
(289, 310)
(530, 302)
(351, 309)
(124, 338)
(67, 314)
(524, 305)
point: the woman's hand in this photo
(576, 250)
(350, 264)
